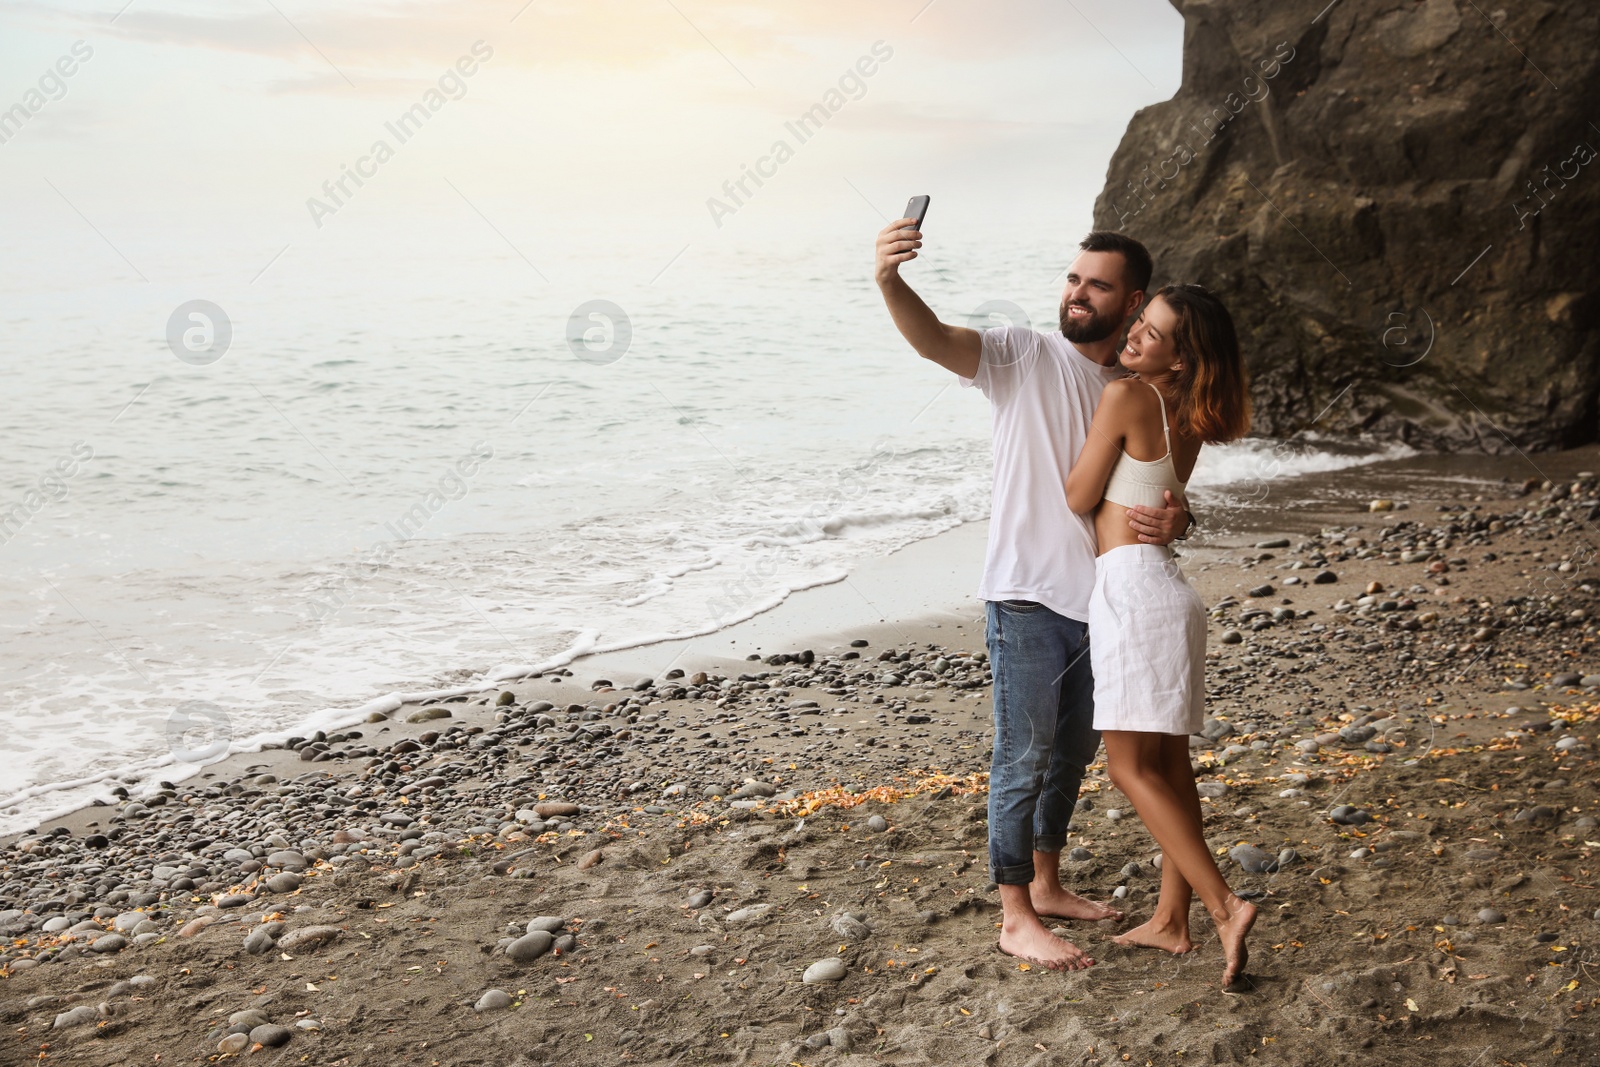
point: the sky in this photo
(195, 129)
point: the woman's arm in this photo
(1086, 483)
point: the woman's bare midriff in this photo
(1111, 529)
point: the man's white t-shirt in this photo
(1044, 392)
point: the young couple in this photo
(1092, 449)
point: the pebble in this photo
(83, 1013)
(1349, 815)
(1490, 916)
(550, 924)
(851, 927)
(260, 940)
(493, 1000)
(530, 947)
(591, 859)
(309, 937)
(1253, 859)
(109, 943)
(831, 969)
(549, 809)
(284, 883)
(749, 914)
(698, 899)
(877, 824)
(1080, 854)
(270, 1035)
(233, 1044)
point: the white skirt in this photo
(1147, 643)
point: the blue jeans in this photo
(1044, 735)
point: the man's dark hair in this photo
(1135, 256)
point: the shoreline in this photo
(1403, 779)
(932, 580)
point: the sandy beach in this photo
(769, 847)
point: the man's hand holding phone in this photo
(898, 242)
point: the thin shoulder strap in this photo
(1163, 402)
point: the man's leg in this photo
(1073, 746)
(1027, 652)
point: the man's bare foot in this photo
(1057, 903)
(1030, 941)
(1158, 934)
(1232, 930)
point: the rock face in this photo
(1399, 202)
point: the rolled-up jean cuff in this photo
(1049, 843)
(1018, 875)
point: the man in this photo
(1039, 567)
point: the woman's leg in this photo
(1168, 928)
(1143, 766)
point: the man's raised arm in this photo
(955, 348)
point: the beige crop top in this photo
(1141, 482)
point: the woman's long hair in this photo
(1213, 390)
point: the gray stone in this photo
(1491, 916)
(530, 947)
(492, 1000)
(286, 882)
(850, 928)
(550, 924)
(748, 914)
(308, 937)
(109, 943)
(877, 824)
(259, 941)
(271, 1035)
(831, 969)
(1253, 859)
(83, 1013)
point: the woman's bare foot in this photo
(1057, 903)
(1159, 933)
(1232, 930)
(1029, 940)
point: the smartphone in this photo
(916, 208)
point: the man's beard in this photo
(1087, 331)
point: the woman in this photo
(1147, 626)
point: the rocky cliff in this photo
(1400, 200)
